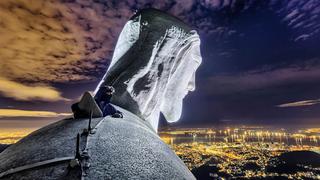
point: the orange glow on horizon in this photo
(13, 135)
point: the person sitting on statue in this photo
(103, 98)
(97, 106)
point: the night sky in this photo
(261, 58)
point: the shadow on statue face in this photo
(180, 84)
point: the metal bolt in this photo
(74, 163)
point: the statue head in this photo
(153, 66)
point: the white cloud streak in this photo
(300, 103)
(23, 92)
(13, 113)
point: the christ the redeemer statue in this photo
(152, 69)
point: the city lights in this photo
(241, 152)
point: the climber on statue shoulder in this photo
(97, 106)
(103, 98)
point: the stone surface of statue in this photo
(152, 69)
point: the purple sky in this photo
(261, 59)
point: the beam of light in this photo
(29, 113)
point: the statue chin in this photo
(172, 112)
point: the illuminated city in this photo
(246, 152)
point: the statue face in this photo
(153, 67)
(182, 81)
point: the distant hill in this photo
(3, 147)
(209, 170)
(285, 164)
(291, 162)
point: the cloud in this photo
(23, 92)
(63, 41)
(9, 113)
(302, 16)
(263, 78)
(50, 41)
(300, 103)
